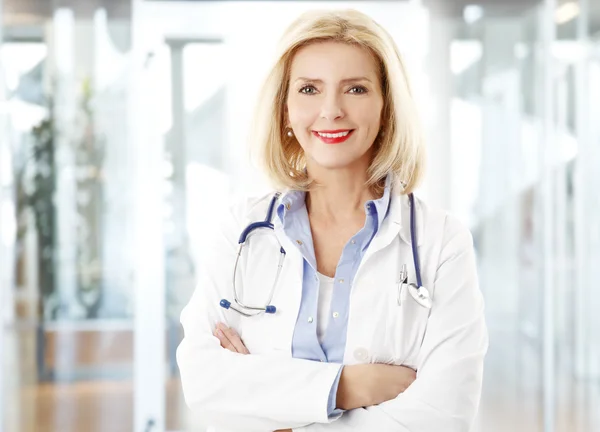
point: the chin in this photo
(334, 162)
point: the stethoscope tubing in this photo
(420, 294)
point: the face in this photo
(334, 104)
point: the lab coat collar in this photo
(397, 223)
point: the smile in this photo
(333, 137)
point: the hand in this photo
(230, 339)
(371, 384)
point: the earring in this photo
(382, 133)
(290, 133)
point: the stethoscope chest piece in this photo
(421, 295)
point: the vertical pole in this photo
(438, 186)
(581, 176)
(65, 199)
(146, 147)
(560, 268)
(548, 160)
(178, 144)
(3, 270)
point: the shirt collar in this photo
(293, 200)
(381, 205)
(290, 202)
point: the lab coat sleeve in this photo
(445, 396)
(231, 391)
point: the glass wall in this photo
(6, 215)
(525, 80)
(68, 200)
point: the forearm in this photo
(349, 395)
(365, 385)
(220, 385)
(406, 413)
(246, 392)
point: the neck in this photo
(339, 195)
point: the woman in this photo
(349, 347)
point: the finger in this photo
(225, 342)
(220, 332)
(235, 339)
(231, 339)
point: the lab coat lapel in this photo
(291, 274)
(404, 218)
(396, 223)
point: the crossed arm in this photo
(360, 385)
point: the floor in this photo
(511, 400)
(75, 405)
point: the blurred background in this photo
(123, 125)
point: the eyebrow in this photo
(344, 81)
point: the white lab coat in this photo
(270, 390)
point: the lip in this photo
(333, 140)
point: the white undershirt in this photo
(325, 294)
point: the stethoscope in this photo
(418, 292)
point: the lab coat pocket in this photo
(406, 323)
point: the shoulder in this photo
(448, 229)
(239, 211)
(227, 219)
(250, 208)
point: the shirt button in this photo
(310, 319)
(353, 241)
(361, 354)
(287, 206)
(341, 280)
(336, 314)
(299, 242)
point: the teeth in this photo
(336, 135)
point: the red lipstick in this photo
(329, 139)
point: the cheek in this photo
(302, 111)
(370, 117)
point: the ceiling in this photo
(24, 12)
(32, 12)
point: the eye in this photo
(358, 90)
(308, 89)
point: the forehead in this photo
(332, 60)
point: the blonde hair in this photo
(400, 151)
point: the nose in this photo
(332, 108)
